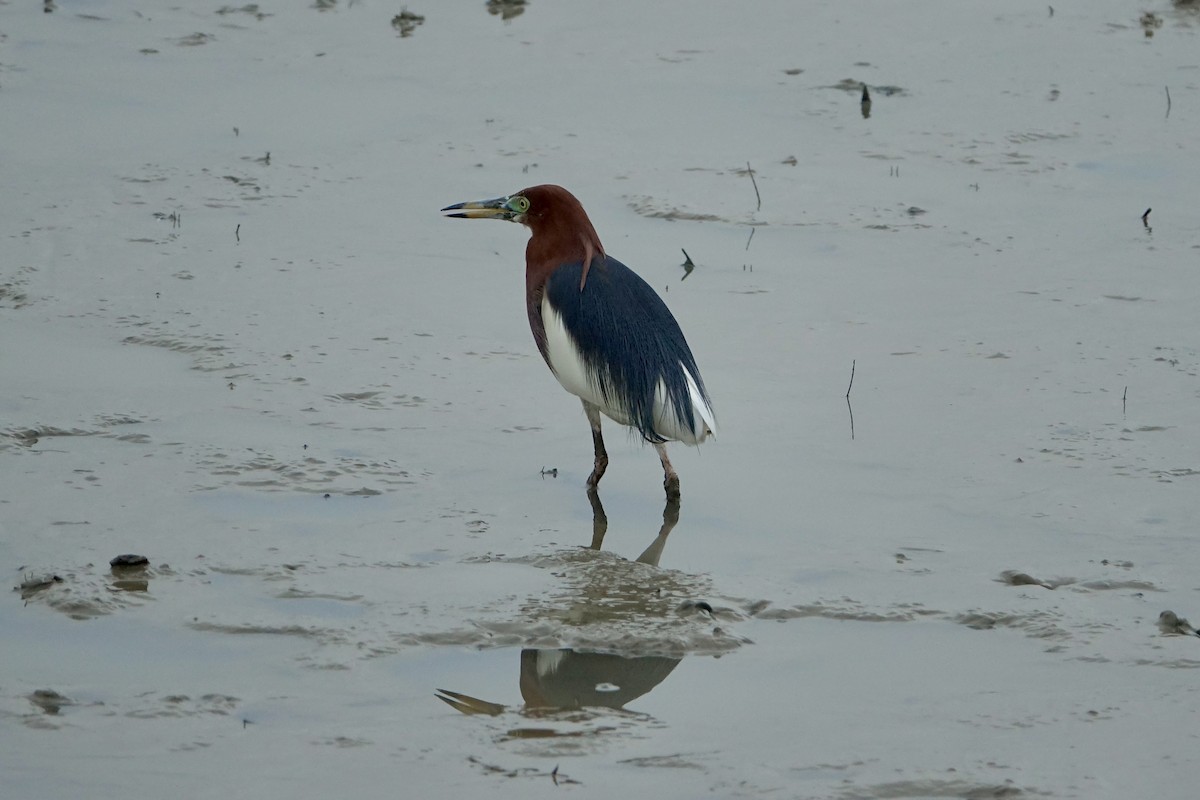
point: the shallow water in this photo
(237, 338)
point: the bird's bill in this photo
(467, 704)
(497, 208)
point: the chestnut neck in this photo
(561, 234)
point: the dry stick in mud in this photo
(850, 408)
(750, 172)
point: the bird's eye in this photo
(519, 204)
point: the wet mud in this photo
(290, 503)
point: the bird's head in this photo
(559, 224)
(512, 208)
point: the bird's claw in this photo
(671, 484)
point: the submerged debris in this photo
(130, 573)
(406, 22)
(854, 86)
(1150, 22)
(250, 9)
(49, 701)
(1172, 624)
(31, 585)
(506, 9)
(175, 218)
(695, 606)
(195, 39)
(1014, 578)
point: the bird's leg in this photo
(593, 415)
(653, 553)
(670, 479)
(599, 518)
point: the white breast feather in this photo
(570, 368)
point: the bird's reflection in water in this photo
(556, 680)
(651, 554)
(569, 680)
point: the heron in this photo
(607, 336)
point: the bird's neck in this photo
(546, 253)
(550, 249)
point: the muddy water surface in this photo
(236, 338)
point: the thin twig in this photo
(1123, 396)
(756, 194)
(687, 265)
(849, 407)
(1168, 90)
(752, 230)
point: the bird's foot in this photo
(593, 480)
(671, 484)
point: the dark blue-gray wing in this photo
(624, 351)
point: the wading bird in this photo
(605, 334)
